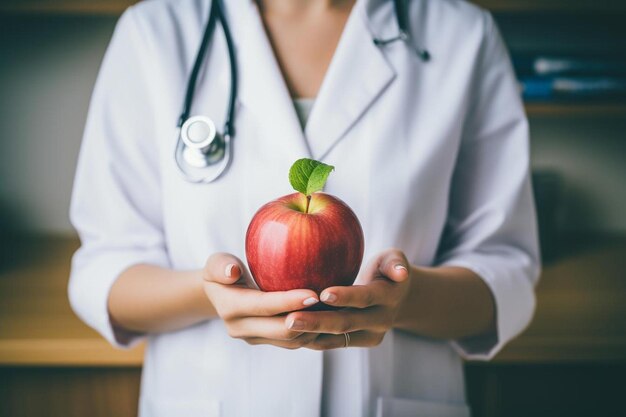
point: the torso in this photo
(394, 170)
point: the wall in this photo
(48, 68)
(589, 154)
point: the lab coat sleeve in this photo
(491, 225)
(116, 200)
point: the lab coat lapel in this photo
(358, 74)
(264, 93)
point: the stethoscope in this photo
(202, 153)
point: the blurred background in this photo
(570, 57)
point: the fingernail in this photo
(229, 270)
(296, 325)
(310, 301)
(328, 297)
(400, 267)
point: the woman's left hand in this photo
(371, 306)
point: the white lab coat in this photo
(432, 157)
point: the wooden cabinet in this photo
(53, 391)
(572, 389)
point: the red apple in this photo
(292, 243)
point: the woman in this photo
(432, 155)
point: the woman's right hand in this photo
(250, 314)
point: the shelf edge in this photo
(67, 352)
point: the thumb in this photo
(394, 266)
(223, 268)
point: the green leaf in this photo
(308, 175)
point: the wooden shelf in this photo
(99, 7)
(581, 306)
(552, 5)
(580, 317)
(37, 325)
(115, 7)
(576, 109)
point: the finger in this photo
(357, 296)
(338, 322)
(234, 302)
(369, 273)
(299, 342)
(357, 339)
(391, 264)
(261, 327)
(394, 265)
(223, 268)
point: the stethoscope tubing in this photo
(229, 125)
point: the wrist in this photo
(200, 300)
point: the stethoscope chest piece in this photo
(202, 154)
(203, 146)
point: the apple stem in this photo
(308, 201)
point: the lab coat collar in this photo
(356, 77)
(358, 74)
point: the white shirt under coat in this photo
(432, 157)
